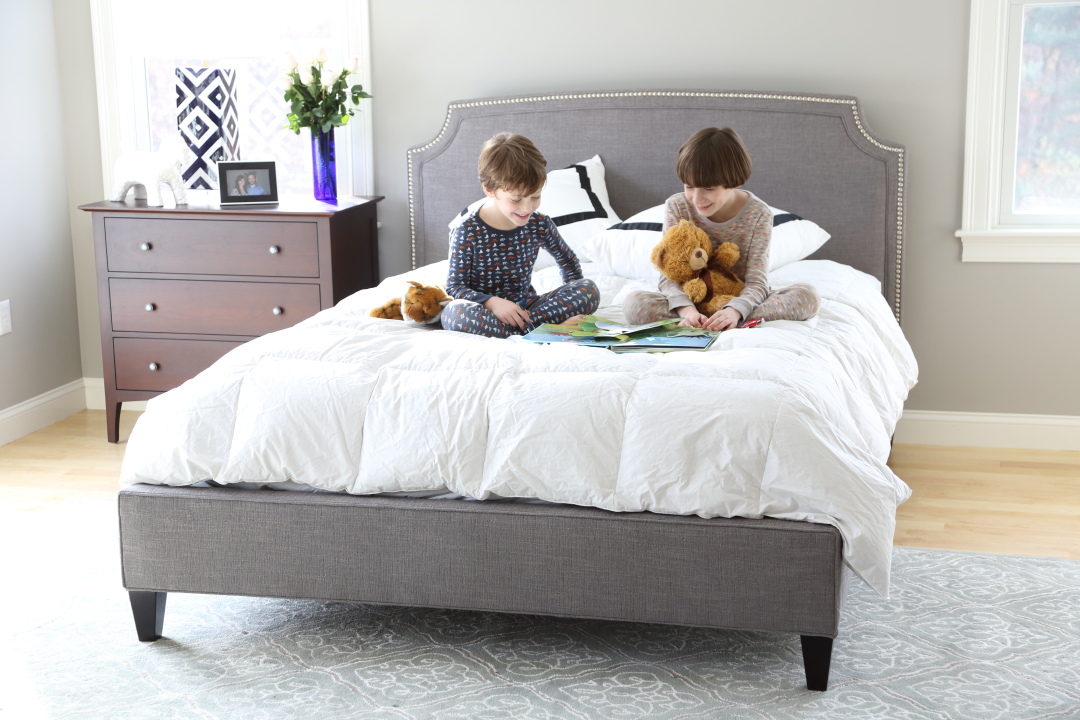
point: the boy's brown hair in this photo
(713, 158)
(510, 161)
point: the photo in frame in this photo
(248, 182)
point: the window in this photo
(1022, 157)
(211, 70)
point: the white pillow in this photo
(576, 199)
(624, 249)
(793, 238)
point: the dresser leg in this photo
(112, 420)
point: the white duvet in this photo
(788, 420)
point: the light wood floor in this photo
(1018, 502)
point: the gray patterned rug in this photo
(963, 636)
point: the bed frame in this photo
(813, 156)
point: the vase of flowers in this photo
(318, 95)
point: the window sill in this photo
(1020, 245)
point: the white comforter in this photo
(787, 420)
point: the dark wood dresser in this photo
(178, 287)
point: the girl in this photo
(713, 164)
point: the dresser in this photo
(178, 287)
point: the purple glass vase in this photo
(323, 168)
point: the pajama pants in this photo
(796, 302)
(578, 297)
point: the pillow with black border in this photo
(576, 199)
(625, 248)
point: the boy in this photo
(493, 251)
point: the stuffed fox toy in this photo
(421, 304)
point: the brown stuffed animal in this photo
(421, 304)
(683, 255)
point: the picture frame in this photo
(234, 182)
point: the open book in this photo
(592, 331)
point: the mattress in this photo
(790, 420)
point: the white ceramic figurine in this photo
(148, 170)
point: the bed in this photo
(420, 479)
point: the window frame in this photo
(985, 238)
(120, 130)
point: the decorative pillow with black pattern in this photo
(576, 199)
(624, 249)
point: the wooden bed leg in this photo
(148, 607)
(816, 655)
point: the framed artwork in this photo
(247, 182)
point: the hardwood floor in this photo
(1014, 502)
(1017, 502)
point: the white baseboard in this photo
(997, 430)
(95, 396)
(42, 411)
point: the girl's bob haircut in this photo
(714, 158)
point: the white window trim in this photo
(118, 132)
(983, 237)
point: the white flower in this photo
(285, 81)
(354, 64)
(330, 75)
(305, 75)
(321, 57)
(290, 61)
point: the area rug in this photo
(962, 636)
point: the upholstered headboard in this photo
(812, 155)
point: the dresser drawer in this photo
(160, 365)
(212, 247)
(209, 307)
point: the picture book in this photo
(591, 331)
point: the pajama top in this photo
(750, 229)
(486, 262)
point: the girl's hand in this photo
(723, 319)
(508, 312)
(691, 317)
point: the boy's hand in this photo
(723, 319)
(508, 312)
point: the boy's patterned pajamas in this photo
(486, 262)
(577, 297)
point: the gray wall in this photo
(989, 338)
(36, 267)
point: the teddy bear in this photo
(421, 304)
(685, 255)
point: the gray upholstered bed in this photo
(813, 155)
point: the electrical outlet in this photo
(5, 317)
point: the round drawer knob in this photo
(145, 247)
(150, 307)
(153, 367)
(274, 249)
(278, 310)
